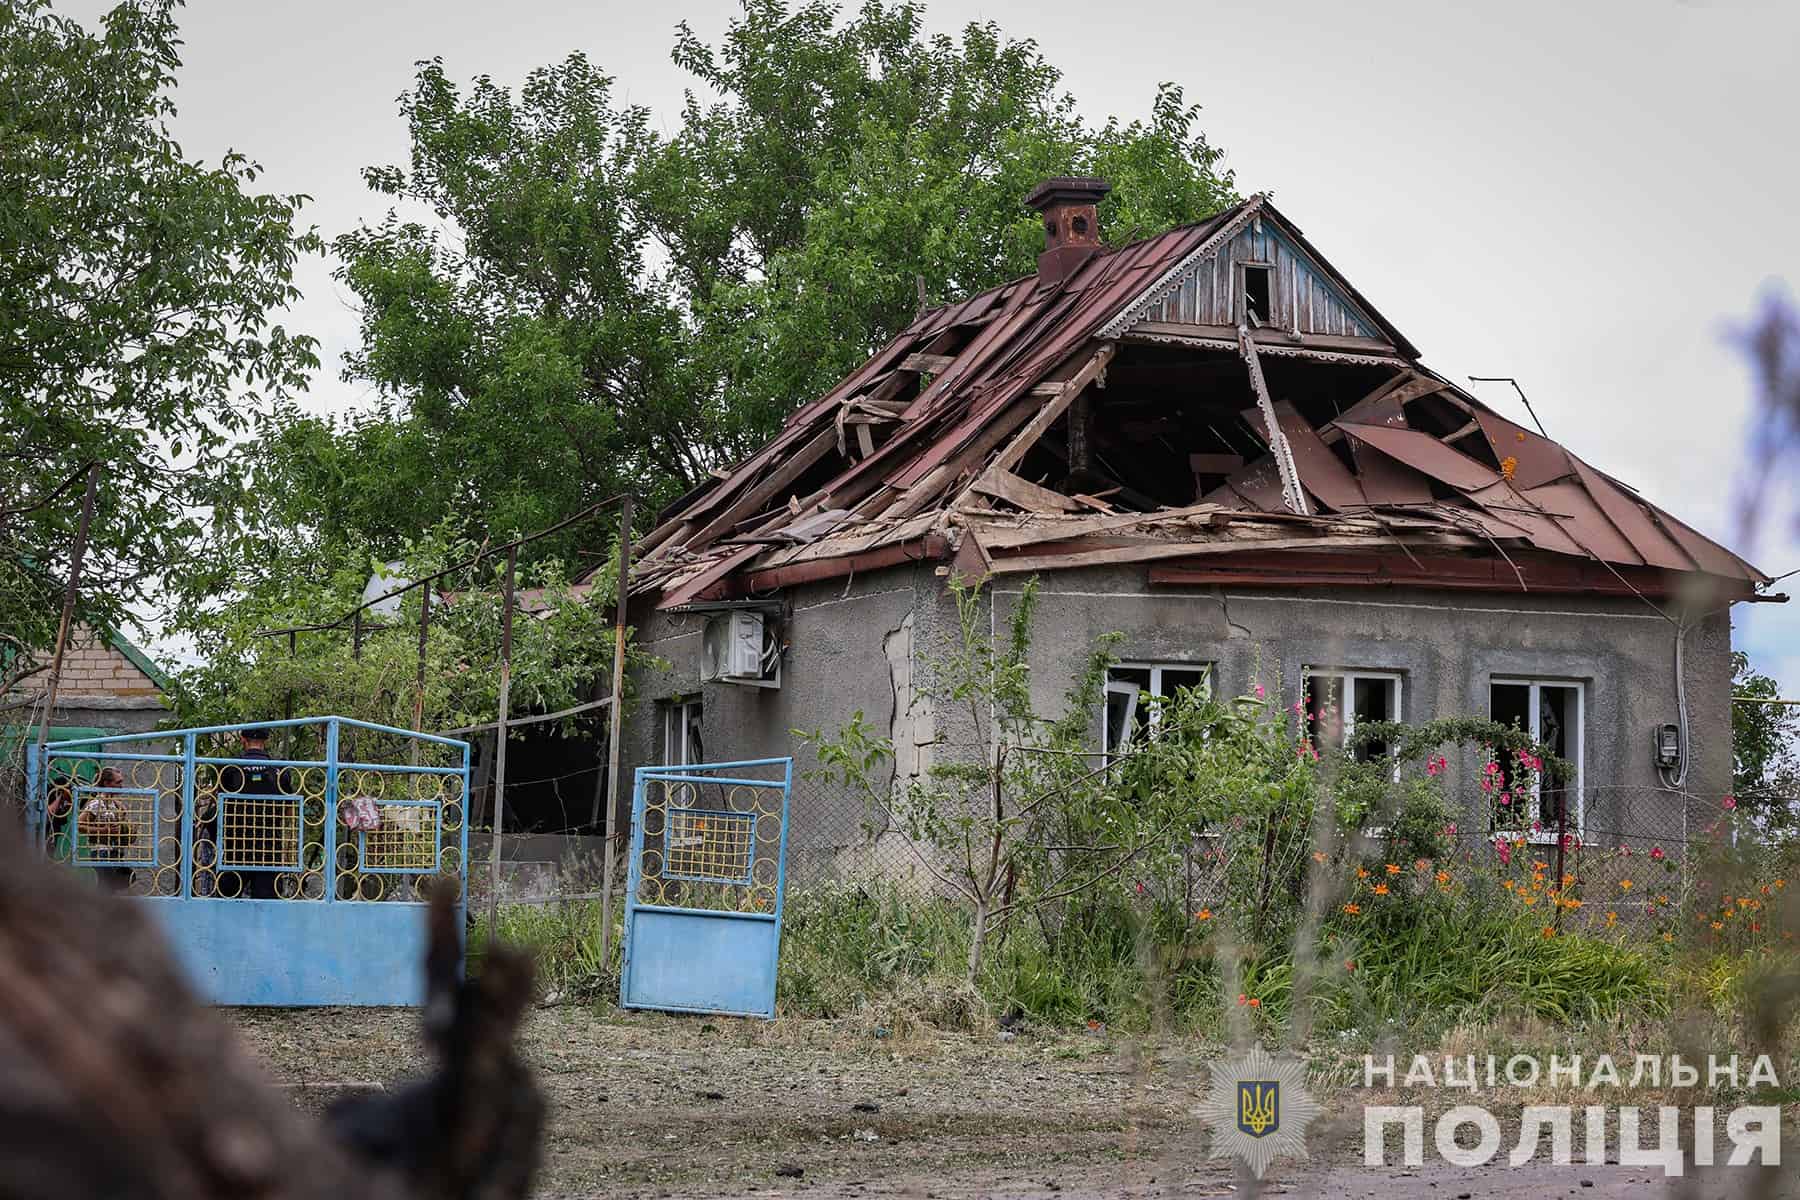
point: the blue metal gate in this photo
(704, 890)
(280, 881)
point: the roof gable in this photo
(1308, 297)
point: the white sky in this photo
(1584, 195)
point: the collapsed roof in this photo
(1216, 402)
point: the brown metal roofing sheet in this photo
(1584, 521)
(1387, 480)
(1424, 453)
(1499, 499)
(1628, 515)
(1709, 554)
(1538, 460)
(1321, 472)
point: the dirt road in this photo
(651, 1106)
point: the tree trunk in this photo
(977, 935)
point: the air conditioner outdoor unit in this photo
(739, 647)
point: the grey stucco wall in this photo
(859, 646)
(1446, 646)
(851, 650)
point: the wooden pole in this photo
(506, 616)
(70, 594)
(293, 652)
(614, 716)
(418, 722)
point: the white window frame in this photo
(1124, 687)
(1534, 710)
(1347, 690)
(676, 716)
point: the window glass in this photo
(1551, 713)
(1335, 702)
(683, 744)
(1130, 711)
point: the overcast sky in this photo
(1584, 195)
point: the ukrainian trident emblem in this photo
(1258, 1108)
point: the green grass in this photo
(875, 952)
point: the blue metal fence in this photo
(704, 890)
(269, 896)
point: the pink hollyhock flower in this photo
(1537, 827)
(1450, 829)
(1730, 803)
(1505, 797)
(1259, 691)
(1656, 852)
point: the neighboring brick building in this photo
(108, 685)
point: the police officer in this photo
(250, 779)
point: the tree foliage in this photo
(562, 645)
(136, 294)
(565, 302)
(1765, 773)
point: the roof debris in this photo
(1122, 410)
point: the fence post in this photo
(37, 819)
(468, 818)
(331, 803)
(70, 594)
(188, 753)
(614, 717)
(506, 619)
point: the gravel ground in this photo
(645, 1105)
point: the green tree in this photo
(599, 306)
(562, 645)
(136, 294)
(1765, 774)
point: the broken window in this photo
(1258, 298)
(682, 744)
(1336, 701)
(1553, 713)
(1136, 693)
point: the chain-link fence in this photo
(1632, 856)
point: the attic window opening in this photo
(1257, 302)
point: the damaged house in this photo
(1210, 442)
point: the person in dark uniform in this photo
(259, 837)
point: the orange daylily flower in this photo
(1392, 869)
(1352, 909)
(1381, 889)
(1205, 914)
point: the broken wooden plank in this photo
(932, 485)
(1036, 427)
(1292, 493)
(1004, 485)
(768, 489)
(927, 364)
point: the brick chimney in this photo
(1071, 224)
